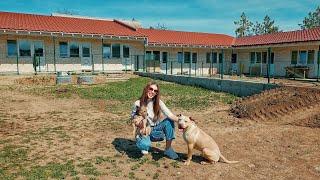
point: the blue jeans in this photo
(164, 130)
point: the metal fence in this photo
(96, 63)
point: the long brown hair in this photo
(156, 99)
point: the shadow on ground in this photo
(128, 147)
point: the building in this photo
(69, 43)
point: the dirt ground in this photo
(268, 147)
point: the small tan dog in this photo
(139, 122)
(198, 139)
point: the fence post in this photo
(195, 69)
(181, 68)
(17, 64)
(202, 68)
(125, 66)
(167, 67)
(190, 63)
(318, 73)
(92, 64)
(269, 61)
(171, 68)
(222, 60)
(39, 63)
(54, 54)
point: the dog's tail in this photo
(226, 160)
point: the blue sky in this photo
(213, 16)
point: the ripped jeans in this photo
(164, 130)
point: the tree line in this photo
(246, 28)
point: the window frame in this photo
(16, 48)
(164, 57)
(67, 49)
(104, 54)
(214, 57)
(30, 48)
(113, 54)
(208, 57)
(310, 61)
(188, 55)
(77, 54)
(194, 57)
(124, 47)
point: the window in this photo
(148, 55)
(264, 57)
(74, 49)
(220, 57)
(126, 51)
(194, 57)
(116, 50)
(234, 58)
(294, 57)
(106, 51)
(258, 57)
(38, 49)
(252, 57)
(12, 47)
(164, 57)
(63, 46)
(187, 57)
(214, 57)
(156, 55)
(180, 57)
(272, 58)
(303, 57)
(310, 57)
(208, 58)
(24, 48)
(86, 50)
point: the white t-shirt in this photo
(150, 114)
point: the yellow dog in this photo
(198, 139)
(139, 122)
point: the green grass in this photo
(121, 95)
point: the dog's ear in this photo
(191, 119)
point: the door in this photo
(39, 56)
(86, 61)
(234, 65)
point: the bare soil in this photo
(277, 136)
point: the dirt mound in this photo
(37, 80)
(297, 105)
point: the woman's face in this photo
(152, 91)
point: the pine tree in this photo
(313, 20)
(244, 26)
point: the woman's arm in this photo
(167, 112)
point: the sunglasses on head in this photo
(154, 90)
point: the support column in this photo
(269, 61)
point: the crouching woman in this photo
(159, 118)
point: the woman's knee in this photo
(143, 143)
(168, 123)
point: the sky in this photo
(212, 16)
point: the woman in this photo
(159, 117)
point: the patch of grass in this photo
(13, 156)
(51, 170)
(120, 96)
(116, 172)
(155, 163)
(175, 164)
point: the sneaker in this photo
(171, 154)
(144, 152)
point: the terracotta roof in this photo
(279, 38)
(32, 22)
(168, 37)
